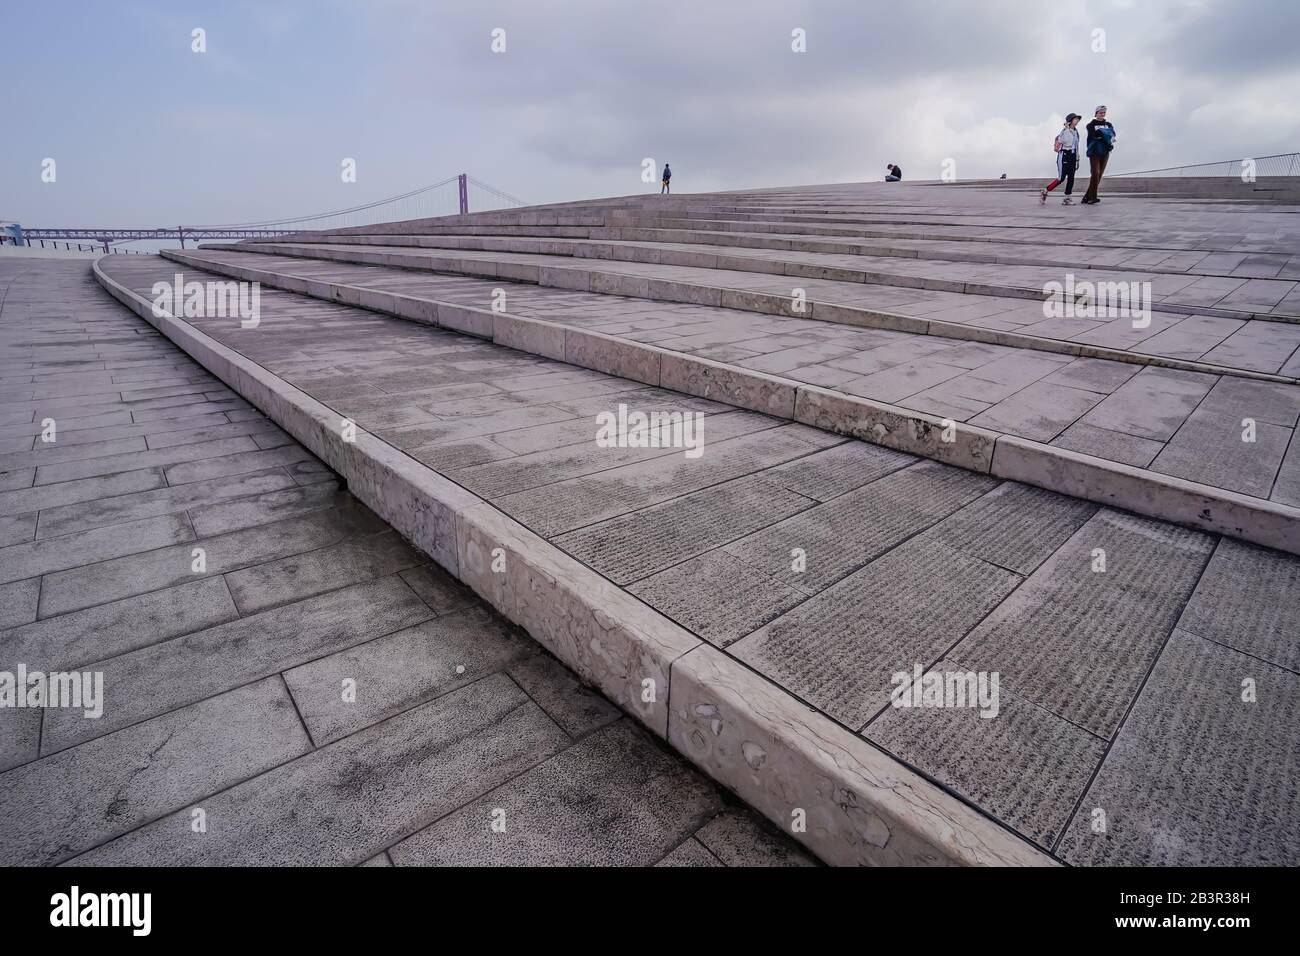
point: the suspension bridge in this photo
(455, 194)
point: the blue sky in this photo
(146, 132)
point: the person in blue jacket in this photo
(668, 175)
(1101, 140)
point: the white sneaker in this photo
(1067, 201)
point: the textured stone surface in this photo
(396, 672)
(574, 706)
(68, 803)
(690, 854)
(739, 840)
(1197, 776)
(1013, 526)
(632, 547)
(717, 596)
(842, 535)
(839, 649)
(1079, 642)
(173, 673)
(835, 471)
(1249, 599)
(344, 803)
(1212, 449)
(572, 504)
(604, 634)
(1025, 765)
(107, 630)
(633, 803)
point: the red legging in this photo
(1068, 164)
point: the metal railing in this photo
(1281, 164)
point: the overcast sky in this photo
(146, 132)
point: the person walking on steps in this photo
(1067, 159)
(1101, 140)
(668, 175)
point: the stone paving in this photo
(1175, 422)
(223, 681)
(1125, 645)
(1185, 421)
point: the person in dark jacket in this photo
(1101, 140)
(893, 174)
(668, 175)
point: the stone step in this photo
(996, 321)
(1159, 404)
(1201, 263)
(1016, 280)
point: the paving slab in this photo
(738, 839)
(86, 796)
(692, 853)
(840, 649)
(344, 803)
(106, 630)
(1014, 526)
(344, 692)
(362, 558)
(1225, 451)
(631, 547)
(819, 546)
(145, 682)
(1248, 599)
(1027, 766)
(572, 704)
(717, 596)
(1078, 646)
(1198, 774)
(647, 804)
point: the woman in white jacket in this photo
(1067, 159)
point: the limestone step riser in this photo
(970, 447)
(658, 229)
(711, 238)
(613, 283)
(861, 806)
(615, 251)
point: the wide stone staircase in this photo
(922, 447)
